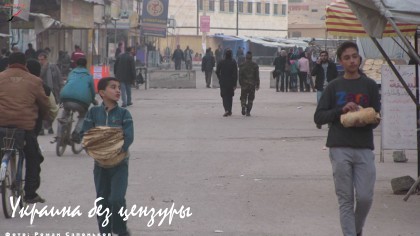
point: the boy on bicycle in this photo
(111, 183)
(77, 95)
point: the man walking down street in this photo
(303, 73)
(22, 97)
(351, 149)
(51, 76)
(227, 72)
(219, 54)
(188, 58)
(125, 71)
(324, 71)
(249, 79)
(178, 57)
(207, 65)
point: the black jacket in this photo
(207, 63)
(125, 68)
(318, 71)
(227, 72)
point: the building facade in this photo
(230, 17)
(307, 18)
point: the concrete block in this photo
(401, 185)
(172, 79)
(399, 156)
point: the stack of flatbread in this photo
(104, 145)
(372, 68)
(363, 116)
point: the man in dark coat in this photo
(207, 65)
(30, 52)
(125, 71)
(324, 71)
(249, 79)
(227, 72)
(280, 71)
(178, 57)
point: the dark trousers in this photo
(303, 77)
(284, 81)
(111, 185)
(247, 96)
(125, 93)
(293, 82)
(33, 158)
(227, 94)
(280, 77)
(208, 77)
(177, 64)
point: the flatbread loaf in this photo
(363, 116)
(104, 144)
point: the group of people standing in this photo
(178, 56)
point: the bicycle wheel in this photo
(8, 188)
(76, 148)
(61, 143)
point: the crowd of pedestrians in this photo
(32, 74)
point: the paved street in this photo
(264, 175)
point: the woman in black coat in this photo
(227, 72)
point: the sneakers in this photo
(243, 110)
(248, 114)
(129, 104)
(36, 199)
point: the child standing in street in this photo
(111, 182)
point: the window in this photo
(267, 9)
(275, 9)
(258, 7)
(241, 6)
(231, 5)
(295, 1)
(211, 5)
(250, 7)
(314, 10)
(222, 5)
(200, 5)
(283, 9)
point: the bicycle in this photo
(63, 138)
(11, 172)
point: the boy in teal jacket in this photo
(111, 183)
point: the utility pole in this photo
(237, 17)
(204, 36)
(198, 18)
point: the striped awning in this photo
(340, 21)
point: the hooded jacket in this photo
(79, 87)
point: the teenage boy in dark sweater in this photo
(351, 149)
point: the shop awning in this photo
(340, 21)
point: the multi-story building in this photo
(265, 18)
(307, 18)
(231, 17)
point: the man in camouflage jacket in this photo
(249, 79)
